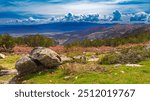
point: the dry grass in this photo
(74, 68)
(62, 49)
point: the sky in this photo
(44, 9)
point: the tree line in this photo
(7, 42)
(136, 38)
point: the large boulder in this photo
(2, 56)
(39, 59)
(47, 57)
(26, 65)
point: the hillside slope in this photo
(119, 31)
(102, 32)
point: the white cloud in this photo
(70, 17)
(140, 16)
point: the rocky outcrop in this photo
(39, 59)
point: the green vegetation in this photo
(125, 56)
(35, 41)
(9, 62)
(6, 42)
(109, 74)
(78, 73)
(5, 79)
(135, 38)
(81, 71)
(6, 64)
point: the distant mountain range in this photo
(103, 32)
(67, 32)
(51, 28)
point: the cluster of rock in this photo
(39, 59)
(93, 58)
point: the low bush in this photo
(7, 42)
(129, 55)
(111, 58)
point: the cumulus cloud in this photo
(116, 16)
(70, 17)
(29, 20)
(96, 18)
(90, 17)
(141, 16)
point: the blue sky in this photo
(19, 9)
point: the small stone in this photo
(2, 56)
(67, 77)
(50, 81)
(93, 59)
(147, 46)
(133, 65)
(40, 73)
(76, 77)
(65, 58)
(117, 65)
(122, 72)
